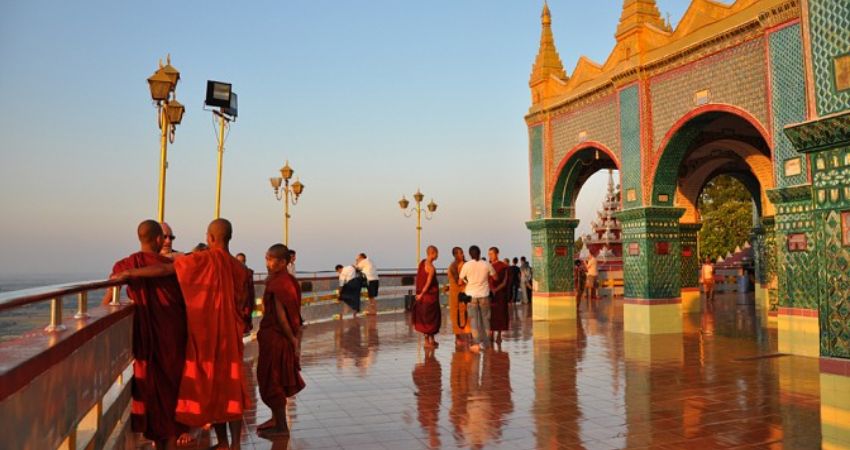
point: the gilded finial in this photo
(546, 16)
(168, 58)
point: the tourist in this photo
(167, 249)
(475, 281)
(580, 281)
(278, 366)
(515, 282)
(350, 284)
(291, 266)
(426, 309)
(159, 341)
(250, 299)
(214, 284)
(458, 313)
(525, 280)
(499, 296)
(365, 266)
(707, 278)
(592, 266)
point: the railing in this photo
(68, 385)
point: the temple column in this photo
(764, 252)
(652, 269)
(688, 239)
(553, 244)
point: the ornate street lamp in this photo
(430, 209)
(288, 193)
(163, 84)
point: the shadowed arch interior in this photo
(579, 166)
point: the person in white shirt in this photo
(592, 273)
(475, 281)
(365, 266)
(291, 266)
(707, 278)
(350, 284)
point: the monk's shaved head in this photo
(277, 258)
(149, 231)
(279, 251)
(221, 229)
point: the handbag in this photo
(463, 298)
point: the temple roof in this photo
(548, 62)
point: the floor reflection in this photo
(574, 384)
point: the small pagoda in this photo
(605, 241)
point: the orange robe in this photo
(278, 367)
(213, 388)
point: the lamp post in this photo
(284, 193)
(431, 208)
(221, 95)
(163, 85)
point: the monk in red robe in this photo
(426, 309)
(159, 341)
(500, 291)
(213, 282)
(278, 366)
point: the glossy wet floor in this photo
(571, 384)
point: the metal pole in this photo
(82, 305)
(116, 295)
(55, 315)
(163, 162)
(220, 161)
(418, 233)
(286, 214)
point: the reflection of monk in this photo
(428, 380)
(213, 283)
(496, 381)
(464, 376)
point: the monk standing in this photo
(159, 341)
(213, 283)
(457, 309)
(426, 310)
(278, 366)
(500, 289)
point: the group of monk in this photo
(480, 294)
(191, 312)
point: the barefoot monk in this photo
(426, 309)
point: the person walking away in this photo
(526, 280)
(499, 296)
(350, 285)
(278, 365)
(592, 274)
(475, 281)
(580, 280)
(458, 313)
(707, 277)
(426, 310)
(365, 266)
(213, 284)
(515, 286)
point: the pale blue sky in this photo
(368, 101)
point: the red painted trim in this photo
(713, 107)
(652, 301)
(781, 26)
(772, 314)
(593, 145)
(800, 312)
(768, 83)
(690, 289)
(835, 366)
(27, 357)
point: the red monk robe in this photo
(499, 312)
(159, 348)
(278, 367)
(213, 388)
(426, 311)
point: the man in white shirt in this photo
(291, 266)
(365, 266)
(475, 281)
(592, 274)
(349, 288)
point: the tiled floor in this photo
(576, 384)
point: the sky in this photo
(368, 101)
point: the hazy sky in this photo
(368, 100)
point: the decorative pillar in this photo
(553, 244)
(689, 238)
(652, 269)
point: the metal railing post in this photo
(55, 316)
(116, 294)
(82, 305)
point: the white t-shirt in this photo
(477, 274)
(291, 268)
(707, 272)
(347, 274)
(368, 269)
(592, 270)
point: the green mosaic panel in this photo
(797, 278)
(690, 264)
(831, 178)
(630, 172)
(598, 120)
(553, 270)
(667, 174)
(834, 277)
(538, 183)
(650, 275)
(770, 259)
(788, 93)
(829, 22)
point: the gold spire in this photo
(547, 62)
(637, 13)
